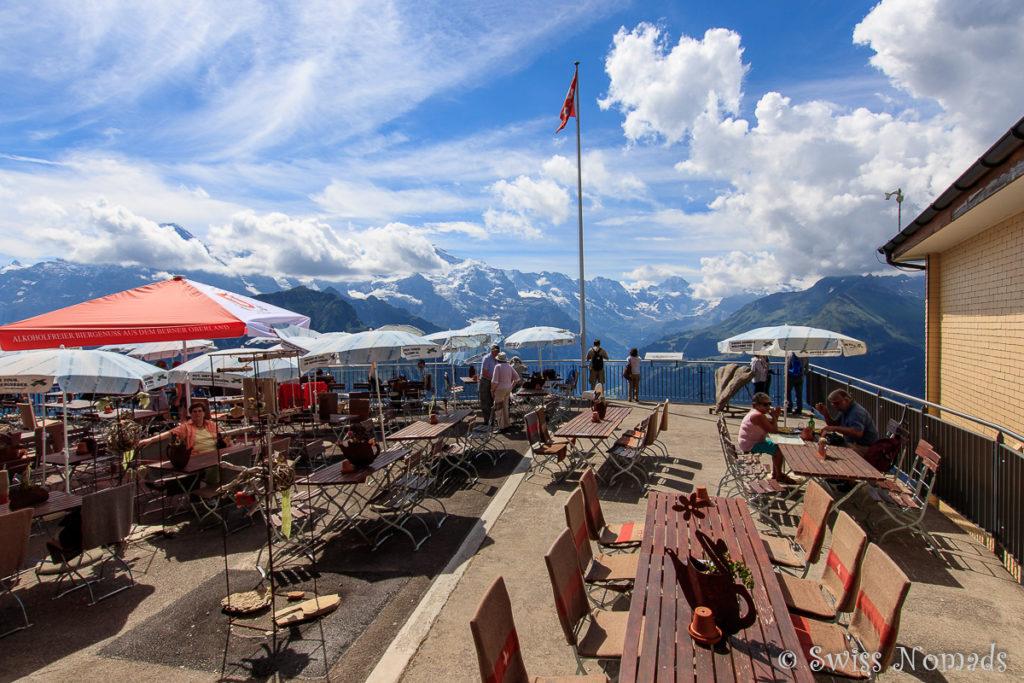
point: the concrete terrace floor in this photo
(965, 602)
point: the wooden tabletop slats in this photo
(58, 501)
(658, 646)
(423, 430)
(333, 476)
(582, 427)
(841, 463)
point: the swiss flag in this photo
(569, 106)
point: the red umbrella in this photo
(175, 309)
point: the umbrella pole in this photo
(380, 408)
(67, 456)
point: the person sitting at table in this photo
(852, 421)
(503, 379)
(200, 433)
(761, 421)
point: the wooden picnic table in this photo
(59, 501)
(840, 462)
(332, 475)
(658, 646)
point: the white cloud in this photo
(804, 181)
(114, 234)
(525, 201)
(662, 90)
(366, 200)
(280, 244)
(965, 55)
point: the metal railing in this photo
(980, 476)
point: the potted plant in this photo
(360, 449)
(599, 405)
(26, 493)
(431, 414)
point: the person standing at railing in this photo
(762, 374)
(503, 381)
(795, 369)
(484, 387)
(632, 374)
(596, 357)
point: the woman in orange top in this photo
(199, 432)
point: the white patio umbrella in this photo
(375, 346)
(151, 351)
(464, 340)
(76, 371)
(779, 340)
(224, 368)
(540, 337)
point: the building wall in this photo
(980, 304)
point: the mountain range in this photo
(885, 312)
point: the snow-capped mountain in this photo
(468, 290)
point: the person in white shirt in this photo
(503, 380)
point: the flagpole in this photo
(579, 204)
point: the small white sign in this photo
(663, 355)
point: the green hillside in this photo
(327, 312)
(887, 313)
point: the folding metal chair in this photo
(15, 528)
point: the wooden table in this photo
(840, 463)
(58, 501)
(457, 458)
(658, 646)
(198, 462)
(140, 416)
(583, 428)
(349, 502)
(428, 432)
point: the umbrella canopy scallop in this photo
(77, 371)
(227, 367)
(541, 336)
(779, 340)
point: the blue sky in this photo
(740, 145)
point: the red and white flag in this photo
(569, 106)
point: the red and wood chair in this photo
(610, 536)
(591, 633)
(804, 548)
(835, 591)
(611, 572)
(873, 627)
(497, 643)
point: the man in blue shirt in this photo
(484, 387)
(795, 367)
(851, 420)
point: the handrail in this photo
(1000, 429)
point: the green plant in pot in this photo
(26, 493)
(432, 411)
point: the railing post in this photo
(997, 522)
(700, 382)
